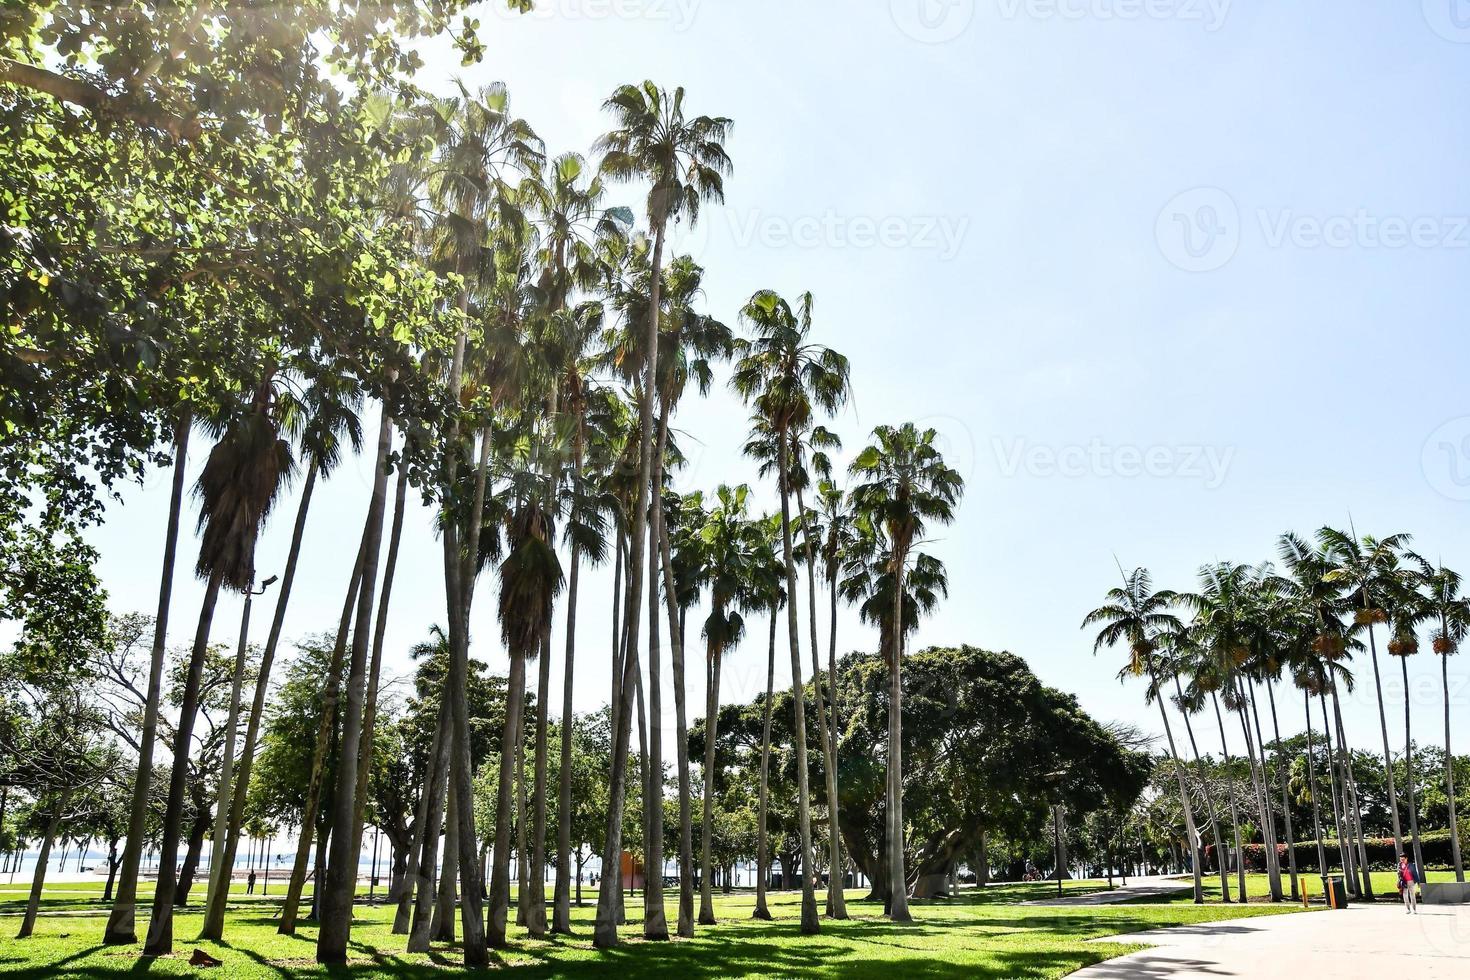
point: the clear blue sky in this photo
(1170, 276)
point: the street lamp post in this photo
(1056, 825)
(219, 875)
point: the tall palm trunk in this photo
(1355, 815)
(1261, 804)
(561, 911)
(898, 893)
(1190, 832)
(536, 885)
(441, 924)
(836, 902)
(810, 924)
(1281, 780)
(763, 846)
(161, 926)
(500, 862)
(655, 922)
(221, 867)
(415, 874)
(1449, 770)
(1230, 795)
(1344, 842)
(459, 585)
(711, 727)
(121, 921)
(1409, 768)
(214, 916)
(605, 933)
(1262, 787)
(436, 791)
(1393, 795)
(325, 728)
(375, 664)
(685, 924)
(1204, 785)
(1312, 783)
(836, 720)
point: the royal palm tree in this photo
(684, 161)
(1448, 612)
(246, 470)
(1318, 593)
(1365, 567)
(1176, 651)
(1407, 609)
(905, 487)
(1135, 614)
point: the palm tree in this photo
(342, 867)
(768, 593)
(869, 580)
(325, 421)
(1176, 651)
(1282, 629)
(787, 379)
(245, 471)
(1135, 614)
(906, 487)
(567, 207)
(689, 342)
(121, 920)
(812, 443)
(1449, 611)
(685, 163)
(480, 140)
(1318, 595)
(1407, 608)
(682, 560)
(530, 579)
(1227, 626)
(1362, 565)
(730, 543)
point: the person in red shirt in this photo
(1408, 881)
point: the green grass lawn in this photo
(985, 933)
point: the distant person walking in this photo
(1408, 881)
(250, 883)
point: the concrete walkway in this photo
(1360, 941)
